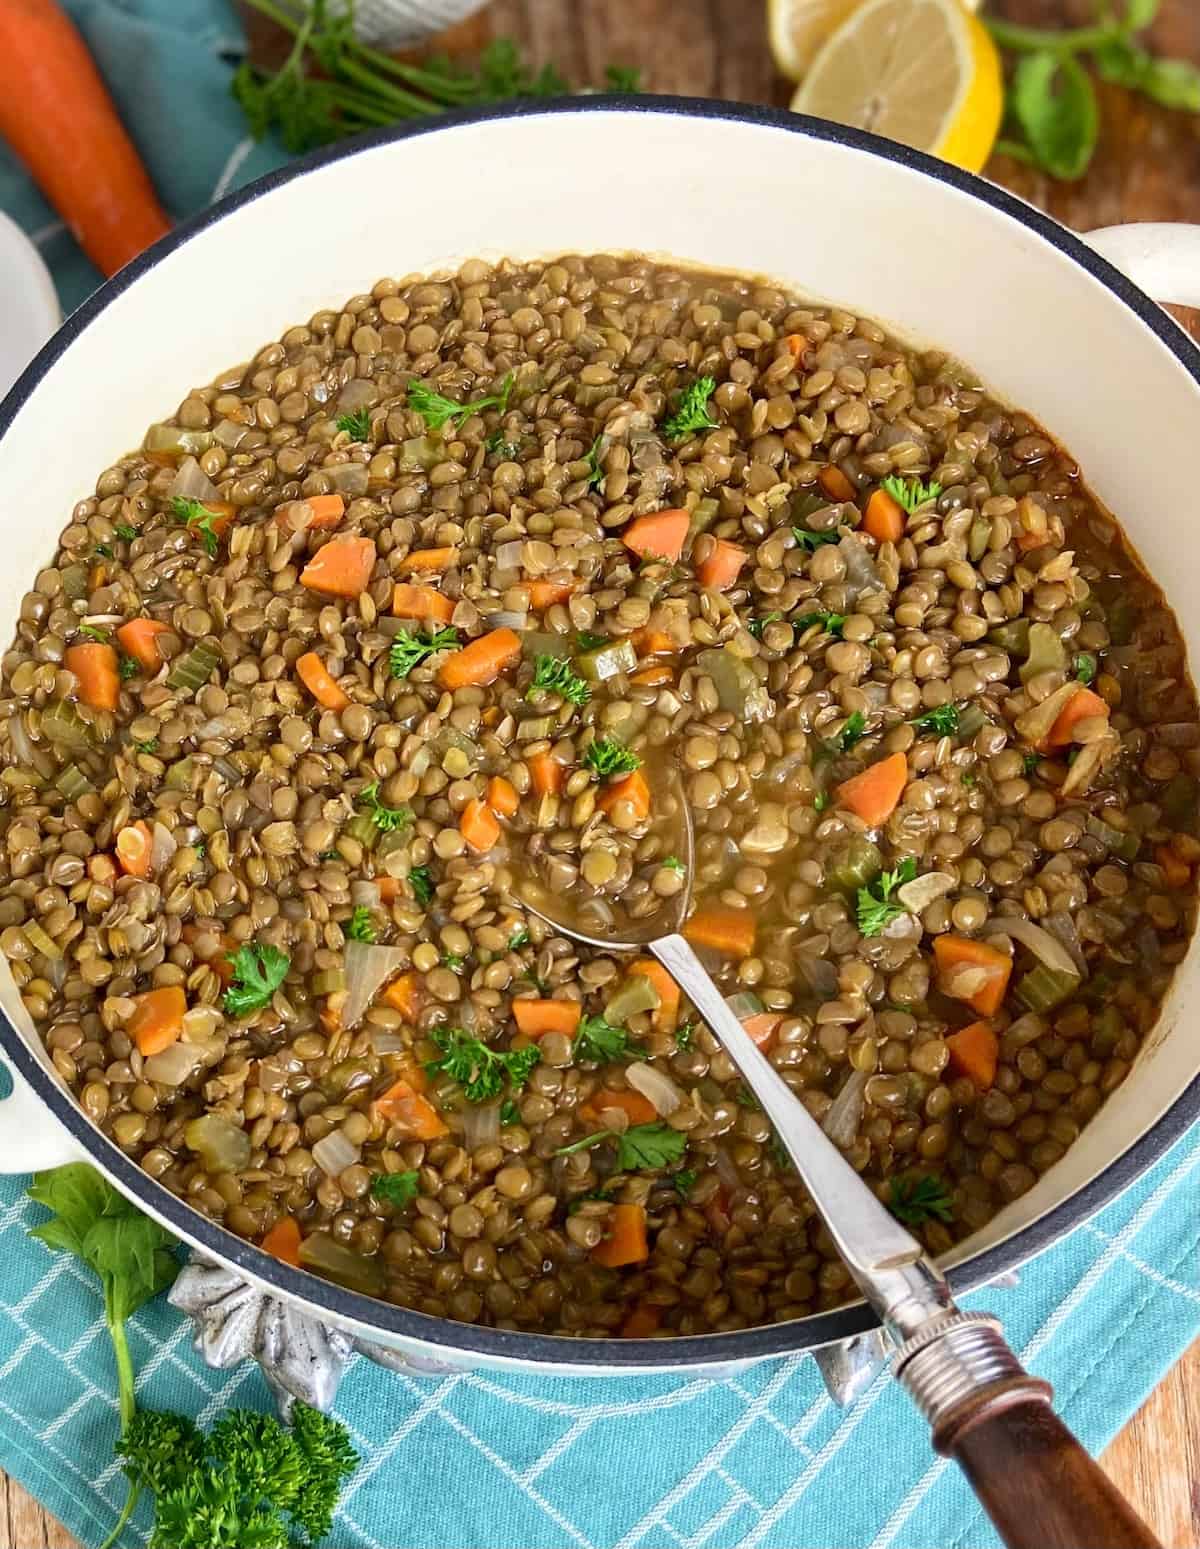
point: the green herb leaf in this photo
(745, 1098)
(454, 961)
(600, 1041)
(437, 410)
(359, 926)
(498, 443)
(258, 971)
(196, 515)
(912, 494)
(399, 1189)
(649, 1145)
(821, 800)
(779, 1154)
(518, 939)
(812, 541)
(875, 909)
(942, 719)
(588, 640)
(410, 650)
(596, 475)
(692, 414)
(357, 425)
(1029, 762)
(831, 623)
(509, 1112)
(1053, 101)
(104, 550)
(684, 1181)
(479, 1069)
(1085, 667)
(917, 1200)
(684, 1035)
(673, 863)
(756, 626)
(127, 668)
(420, 879)
(607, 756)
(148, 746)
(90, 632)
(554, 675)
(854, 730)
(125, 532)
(388, 820)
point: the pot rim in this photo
(555, 1349)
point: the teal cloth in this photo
(483, 1461)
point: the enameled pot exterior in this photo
(944, 258)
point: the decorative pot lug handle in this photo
(1163, 258)
(31, 1138)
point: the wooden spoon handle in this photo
(1033, 1478)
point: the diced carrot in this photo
(642, 1322)
(97, 576)
(761, 1027)
(482, 661)
(478, 826)
(624, 1240)
(95, 666)
(660, 535)
(725, 930)
(222, 514)
(407, 1110)
(873, 795)
(342, 567)
(638, 1109)
(330, 1015)
(406, 1067)
(424, 560)
(157, 1019)
(317, 680)
(631, 788)
(139, 639)
(884, 517)
(406, 995)
(421, 602)
(536, 1017)
(658, 673)
(975, 1052)
(720, 570)
(502, 797)
(1025, 541)
(389, 889)
(311, 513)
(1177, 872)
(955, 954)
(797, 346)
(283, 1241)
(133, 847)
(547, 773)
(653, 642)
(835, 483)
(544, 594)
(664, 1018)
(1081, 706)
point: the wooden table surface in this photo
(1147, 168)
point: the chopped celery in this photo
(192, 672)
(177, 441)
(1012, 637)
(636, 994)
(73, 783)
(63, 724)
(22, 777)
(534, 727)
(1042, 988)
(1046, 653)
(1108, 1028)
(420, 454)
(346, 1076)
(331, 981)
(704, 516)
(327, 1257)
(1117, 841)
(362, 827)
(855, 863)
(607, 660)
(735, 681)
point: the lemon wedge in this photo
(798, 28)
(923, 72)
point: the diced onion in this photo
(225, 1147)
(385, 1041)
(726, 1170)
(41, 942)
(507, 618)
(162, 849)
(174, 1064)
(845, 1114)
(364, 895)
(192, 483)
(358, 393)
(744, 1004)
(367, 968)
(1025, 1030)
(1035, 725)
(19, 739)
(335, 1153)
(654, 1085)
(925, 890)
(818, 973)
(481, 1125)
(1062, 927)
(1045, 947)
(509, 556)
(230, 434)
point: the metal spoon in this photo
(1037, 1483)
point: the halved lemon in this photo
(923, 72)
(798, 28)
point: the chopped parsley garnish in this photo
(683, 1036)
(942, 719)
(853, 731)
(601, 1196)
(684, 1181)
(357, 425)
(150, 745)
(756, 626)
(821, 800)
(125, 532)
(912, 494)
(258, 971)
(831, 623)
(692, 414)
(478, 1069)
(1085, 667)
(359, 927)
(554, 675)
(388, 820)
(639, 1148)
(673, 863)
(90, 632)
(454, 961)
(509, 1112)
(917, 1200)
(1029, 763)
(410, 650)
(745, 1098)
(588, 640)
(518, 939)
(811, 541)
(969, 778)
(497, 442)
(779, 1154)
(875, 908)
(397, 1189)
(196, 515)
(607, 756)
(104, 550)
(595, 471)
(421, 882)
(437, 410)
(600, 1041)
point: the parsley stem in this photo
(585, 1144)
(404, 101)
(126, 1400)
(1068, 40)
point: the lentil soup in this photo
(469, 584)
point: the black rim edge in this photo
(561, 1350)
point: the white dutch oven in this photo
(943, 257)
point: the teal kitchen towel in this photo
(482, 1461)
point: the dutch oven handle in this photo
(1161, 257)
(31, 1138)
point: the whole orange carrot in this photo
(59, 119)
